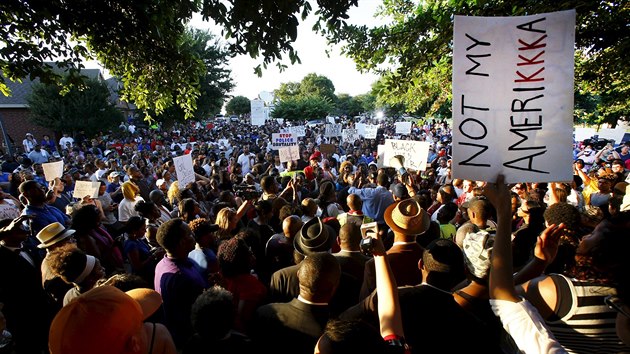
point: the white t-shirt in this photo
(64, 140)
(247, 162)
(126, 208)
(523, 322)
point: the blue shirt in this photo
(45, 216)
(375, 201)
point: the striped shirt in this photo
(583, 323)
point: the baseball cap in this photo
(101, 321)
(316, 155)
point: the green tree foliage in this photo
(412, 52)
(215, 80)
(87, 108)
(317, 85)
(301, 108)
(140, 41)
(348, 105)
(311, 85)
(287, 90)
(238, 105)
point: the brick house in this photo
(15, 114)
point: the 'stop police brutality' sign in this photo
(513, 97)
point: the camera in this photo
(367, 246)
(247, 192)
(367, 243)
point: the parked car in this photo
(234, 118)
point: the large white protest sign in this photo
(360, 127)
(370, 131)
(258, 112)
(513, 97)
(289, 153)
(333, 130)
(84, 189)
(415, 153)
(184, 170)
(380, 152)
(350, 135)
(279, 140)
(297, 130)
(53, 170)
(403, 128)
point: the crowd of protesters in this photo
(259, 254)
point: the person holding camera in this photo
(406, 219)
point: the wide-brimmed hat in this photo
(53, 234)
(314, 236)
(149, 300)
(407, 217)
(102, 320)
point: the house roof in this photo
(21, 90)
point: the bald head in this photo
(291, 225)
(350, 237)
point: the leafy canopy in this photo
(143, 42)
(87, 108)
(412, 52)
(238, 105)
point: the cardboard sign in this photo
(289, 153)
(403, 128)
(327, 148)
(513, 97)
(83, 189)
(350, 135)
(53, 170)
(279, 140)
(333, 130)
(184, 170)
(414, 152)
(370, 131)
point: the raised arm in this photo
(389, 312)
(501, 282)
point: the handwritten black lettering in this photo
(467, 133)
(530, 162)
(467, 162)
(526, 122)
(524, 138)
(529, 26)
(523, 104)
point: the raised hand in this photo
(547, 244)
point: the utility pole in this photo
(5, 136)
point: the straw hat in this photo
(53, 234)
(407, 217)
